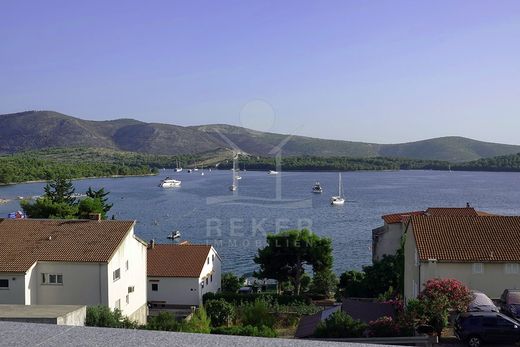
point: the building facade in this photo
(54, 262)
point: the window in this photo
(208, 260)
(207, 280)
(211, 278)
(118, 304)
(131, 289)
(126, 265)
(52, 278)
(478, 268)
(155, 287)
(414, 288)
(116, 275)
(127, 299)
(213, 257)
(416, 258)
(511, 268)
(202, 285)
(4, 283)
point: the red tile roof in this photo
(398, 217)
(451, 211)
(171, 260)
(434, 211)
(25, 241)
(467, 238)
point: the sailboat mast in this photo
(339, 186)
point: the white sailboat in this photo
(234, 186)
(272, 172)
(178, 168)
(338, 199)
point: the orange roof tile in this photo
(25, 241)
(174, 260)
(467, 238)
(398, 217)
(451, 211)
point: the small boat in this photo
(174, 235)
(169, 183)
(317, 188)
(189, 170)
(234, 186)
(338, 199)
(272, 172)
(178, 168)
(239, 177)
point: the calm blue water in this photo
(203, 209)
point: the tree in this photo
(230, 282)
(60, 190)
(324, 283)
(220, 312)
(288, 252)
(439, 296)
(91, 205)
(44, 207)
(199, 323)
(102, 196)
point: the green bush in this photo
(220, 312)
(247, 330)
(199, 323)
(324, 284)
(102, 316)
(231, 283)
(256, 314)
(165, 321)
(237, 298)
(340, 324)
(384, 327)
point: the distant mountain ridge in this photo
(35, 130)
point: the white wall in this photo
(175, 290)
(389, 241)
(213, 268)
(134, 252)
(16, 292)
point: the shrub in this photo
(165, 321)
(237, 298)
(219, 311)
(247, 330)
(102, 316)
(256, 314)
(340, 324)
(384, 327)
(199, 323)
(324, 283)
(230, 282)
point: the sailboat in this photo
(338, 199)
(178, 168)
(234, 186)
(202, 170)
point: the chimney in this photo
(151, 245)
(468, 205)
(94, 216)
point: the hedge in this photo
(237, 298)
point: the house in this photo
(73, 262)
(483, 252)
(386, 240)
(180, 274)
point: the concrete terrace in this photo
(30, 334)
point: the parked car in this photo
(510, 303)
(481, 303)
(477, 328)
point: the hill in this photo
(35, 130)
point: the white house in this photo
(73, 262)
(180, 274)
(483, 252)
(387, 239)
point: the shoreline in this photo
(78, 179)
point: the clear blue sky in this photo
(377, 71)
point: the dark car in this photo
(477, 328)
(510, 303)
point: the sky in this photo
(374, 71)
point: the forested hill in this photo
(36, 130)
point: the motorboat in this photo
(272, 172)
(174, 235)
(317, 188)
(169, 183)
